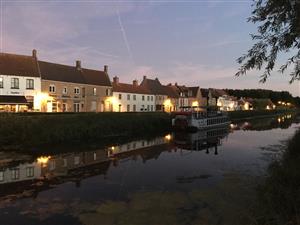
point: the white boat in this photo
(197, 118)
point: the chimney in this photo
(116, 80)
(34, 53)
(144, 78)
(176, 84)
(105, 68)
(78, 64)
(135, 83)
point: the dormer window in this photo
(52, 88)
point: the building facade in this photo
(132, 97)
(20, 83)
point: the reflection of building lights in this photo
(168, 137)
(279, 120)
(232, 126)
(43, 160)
(195, 104)
(274, 106)
(268, 107)
(279, 102)
(219, 104)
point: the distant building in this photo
(27, 84)
(132, 97)
(162, 102)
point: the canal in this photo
(209, 177)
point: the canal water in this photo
(207, 177)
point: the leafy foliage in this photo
(279, 31)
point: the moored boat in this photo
(199, 118)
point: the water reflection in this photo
(179, 164)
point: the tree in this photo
(278, 32)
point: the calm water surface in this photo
(202, 178)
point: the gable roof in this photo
(65, 73)
(18, 65)
(129, 88)
(154, 86)
(171, 91)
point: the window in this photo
(151, 98)
(1, 176)
(52, 165)
(107, 92)
(76, 90)
(148, 108)
(65, 90)
(52, 88)
(148, 98)
(143, 98)
(120, 96)
(65, 163)
(151, 108)
(29, 171)
(29, 84)
(94, 91)
(14, 83)
(128, 97)
(76, 107)
(15, 174)
(128, 108)
(95, 156)
(134, 108)
(1, 82)
(134, 97)
(120, 108)
(142, 109)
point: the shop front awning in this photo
(13, 100)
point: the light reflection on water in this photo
(178, 173)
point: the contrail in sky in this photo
(124, 34)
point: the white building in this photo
(131, 97)
(227, 103)
(20, 82)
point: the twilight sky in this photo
(192, 42)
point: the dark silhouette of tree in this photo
(278, 32)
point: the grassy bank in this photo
(279, 196)
(237, 115)
(28, 130)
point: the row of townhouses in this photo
(29, 84)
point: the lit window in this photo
(52, 88)
(76, 90)
(94, 91)
(15, 83)
(1, 82)
(29, 84)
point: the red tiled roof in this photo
(129, 88)
(18, 65)
(171, 91)
(96, 77)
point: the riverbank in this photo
(256, 114)
(32, 130)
